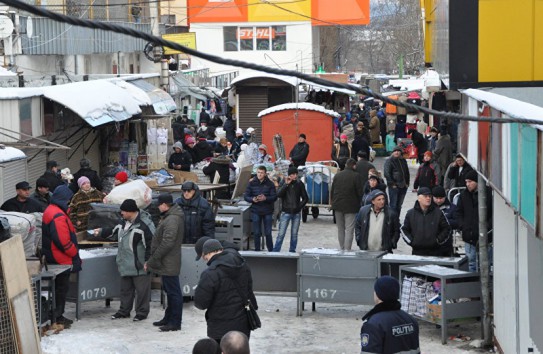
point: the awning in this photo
(183, 87)
(161, 101)
(97, 102)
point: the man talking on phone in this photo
(293, 199)
(261, 193)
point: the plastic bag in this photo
(137, 190)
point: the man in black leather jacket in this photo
(300, 151)
(294, 198)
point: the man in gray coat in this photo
(443, 152)
(347, 191)
(165, 260)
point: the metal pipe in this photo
(484, 262)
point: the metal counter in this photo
(390, 263)
(274, 273)
(334, 276)
(99, 278)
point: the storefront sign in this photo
(185, 39)
(260, 33)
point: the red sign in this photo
(260, 33)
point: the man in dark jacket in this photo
(397, 176)
(420, 143)
(221, 165)
(59, 245)
(293, 199)
(199, 219)
(262, 195)
(223, 290)
(230, 128)
(467, 216)
(425, 227)
(86, 171)
(386, 328)
(42, 194)
(51, 175)
(377, 225)
(441, 201)
(346, 193)
(360, 144)
(363, 167)
(204, 117)
(165, 260)
(300, 151)
(458, 171)
(22, 202)
(180, 160)
(135, 237)
(202, 150)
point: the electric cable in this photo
(239, 63)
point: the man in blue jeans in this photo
(293, 199)
(165, 260)
(261, 193)
(397, 176)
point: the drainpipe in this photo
(164, 75)
(484, 262)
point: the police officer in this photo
(386, 328)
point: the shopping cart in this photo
(318, 177)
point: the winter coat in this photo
(458, 176)
(30, 205)
(299, 154)
(360, 143)
(44, 200)
(217, 292)
(267, 188)
(396, 172)
(92, 175)
(426, 231)
(427, 175)
(199, 218)
(341, 153)
(347, 191)
(134, 246)
(230, 129)
(165, 256)
(363, 167)
(202, 150)
(375, 130)
(449, 210)
(80, 206)
(387, 329)
(420, 142)
(59, 241)
(182, 158)
(293, 197)
(467, 215)
(390, 233)
(443, 152)
(53, 180)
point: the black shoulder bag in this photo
(252, 315)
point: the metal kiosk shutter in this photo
(11, 173)
(252, 100)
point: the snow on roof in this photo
(409, 85)
(6, 72)
(510, 106)
(8, 153)
(303, 105)
(256, 74)
(318, 87)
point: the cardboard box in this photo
(434, 312)
(182, 176)
(34, 266)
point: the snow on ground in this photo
(332, 328)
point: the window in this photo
(255, 38)
(230, 39)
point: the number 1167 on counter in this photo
(320, 293)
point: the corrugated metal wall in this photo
(9, 119)
(51, 37)
(11, 173)
(252, 100)
(36, 164)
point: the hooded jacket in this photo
(202, 150)
(59, 241)
(199, 219)
(427, 175)
(218, 292)
(166, 245)
(134, 246)
(426, 231)
(182, 158)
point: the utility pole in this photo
(484, 265)
(155, 30)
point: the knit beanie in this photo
(121, 176)
(387, 288)
(472, 176)
(82, 180)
